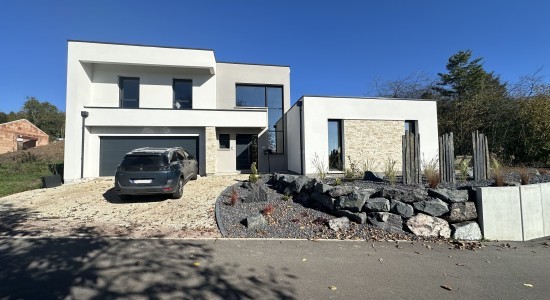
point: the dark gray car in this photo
(146, 171)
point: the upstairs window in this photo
(272, 98)
(183, 94)
(129, 92)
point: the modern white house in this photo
(228, 115)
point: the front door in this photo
(247, 150)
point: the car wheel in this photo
(179, 190)
(195, 177)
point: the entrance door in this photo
(247, 150)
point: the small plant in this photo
(498, 172)
(390, 172)
(463, 168)
(431, 172)
(320, 167)
(524, 175)
(337, 181)
(234, 198)
(268, 210)
(354, 170)
(286, 197)
(253, 177)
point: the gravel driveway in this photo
(92, 207)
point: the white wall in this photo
(318, 110)
(155, 86)
(293, 139)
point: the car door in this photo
(186, 167)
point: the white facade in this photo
(93, 73)
(315, 112)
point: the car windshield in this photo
(143, 162)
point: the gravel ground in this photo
(76, 209)
(292, 219)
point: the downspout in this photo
(84, 115)
(300, 103)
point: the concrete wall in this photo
(318, 110)
(295, 154)
(372, 143)
(514, 213)
(10, 131)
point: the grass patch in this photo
(21, 175)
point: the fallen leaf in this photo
(332, 288)
(380, 260)
(528, 285)
(460, 265)
(196, 264)
(304, 259)
(448, 288)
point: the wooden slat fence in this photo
(411, 158)
(481, 159)
(447, 158)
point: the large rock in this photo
(321, 188)
(258, 194)
(428, 226)
(340, 190)
(433, 207)
(461, 212)
(403, 209)
(354, 202)
(339, 224)
(374, 176)
(255, 221)
(407, 196)
(357, 217)
(300, 183)
(449, 196)
(324, 200)
(466, 231)
(386, 221)
(377, 204)
(286, 179)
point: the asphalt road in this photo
(100, 268)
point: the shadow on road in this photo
(98, 268)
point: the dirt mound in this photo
(53, 152)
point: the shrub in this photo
(431, 172)
(320, 167)
(253, 177)
(286, 197)
(337, 181)
(390, 172)
(498, 172)
(234, 198)
(463, 168)
(268, 210)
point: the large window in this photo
(272, 98)
(335, 145)
(183, 94)
(129, 92)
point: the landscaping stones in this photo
(386, 221)
(466, 231)
(255, 221)
(461, 212)
(357, 217)
(433, 207)
(374, 176)
(402, 209)
(449, 196)
(377, 205)
(324, 200)
(258, 194)
(340, 190)
(339, 224)
(408, 196)
(298, 184)
(428, 226)
(321, 188)
(354, 202)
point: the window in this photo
(129, 92)
(410, 126)
(183, 93)
(272, 98)
(335, 145)
(224, 141)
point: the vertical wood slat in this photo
(487, 160)
(446, 158)
(417, 159)
(411, 158)
(481, 158)
(452, 147)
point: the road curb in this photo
(217, 212)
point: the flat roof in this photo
(138, 45)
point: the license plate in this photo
(141, 181)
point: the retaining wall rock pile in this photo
(424, 212)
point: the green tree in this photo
(3, 117)
(473, 99)
(45, 116)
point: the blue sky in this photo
(333, 47)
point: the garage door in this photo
(113, 148)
